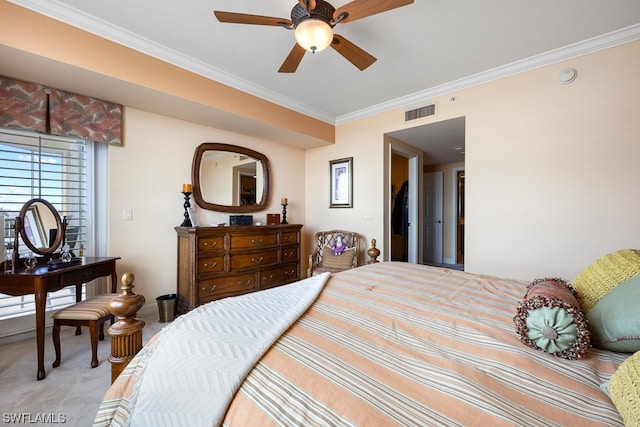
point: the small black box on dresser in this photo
(240, 219)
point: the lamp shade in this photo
(314, 35)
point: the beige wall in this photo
(146, 175)
(551, 170)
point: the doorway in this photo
(459, 233)
(399, 207)
(403, 174)
(442, 147)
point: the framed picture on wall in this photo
(341, 185)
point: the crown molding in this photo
(64, 13)
(76, 18)
(605, 41)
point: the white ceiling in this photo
(419, 47)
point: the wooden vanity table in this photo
(40, 281)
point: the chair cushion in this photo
(93, 308)
(342, 261)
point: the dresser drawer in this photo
(253, 241)
(253, 260)
(290, 253)
(213, 289)
(289, 237)
(278, 276)
(210, 264)
(209, 244)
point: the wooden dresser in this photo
(218, 262)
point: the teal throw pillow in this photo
(615, 320)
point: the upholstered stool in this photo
(92, 312)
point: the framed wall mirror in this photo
(230, 178)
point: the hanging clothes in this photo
(400, 214)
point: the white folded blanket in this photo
(202, 358)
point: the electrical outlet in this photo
(127, 214)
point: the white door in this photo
(433, 217)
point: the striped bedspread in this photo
(409, 345)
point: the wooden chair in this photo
(322, 259)
(92, 312)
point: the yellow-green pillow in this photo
(624, 389)
(595, 281)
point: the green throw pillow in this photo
(615, 320)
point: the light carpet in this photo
(70, 394)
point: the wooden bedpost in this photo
(126, 333)
(373, 252)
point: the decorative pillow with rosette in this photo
(549, 319)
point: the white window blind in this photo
(53, 168)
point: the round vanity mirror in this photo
(41, 227)
(229, 178)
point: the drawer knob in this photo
(212, 244)
(289, 254)
(268, 279)
(211, 289)
(257, 260)
(290, 272)
(214, 265)
(287, 238)
(257, 241)
(247, 283)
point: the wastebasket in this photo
(167, 305)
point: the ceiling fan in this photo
(313, 22)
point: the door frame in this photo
(414, 236)
(454, 214)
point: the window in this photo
(60, 170)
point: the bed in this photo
(383, 344)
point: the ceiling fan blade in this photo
(312, 4)
(290, 65)
(351, 52)
(243, 18)
(358, 9)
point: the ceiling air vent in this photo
(428, 110)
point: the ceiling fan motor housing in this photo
(323, 11)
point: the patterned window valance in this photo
(32, 106)
(23, 105)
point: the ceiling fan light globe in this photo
(313, 35)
